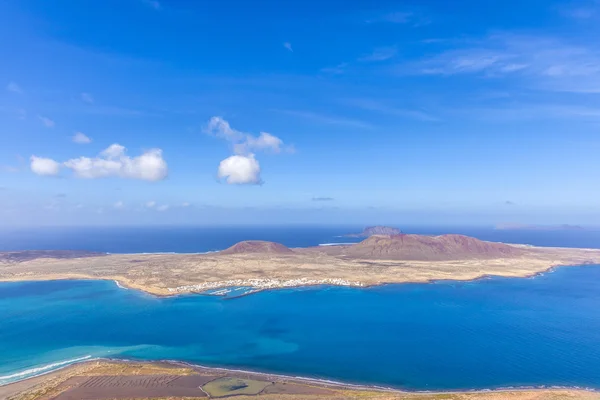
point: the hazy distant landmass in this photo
(376, 230)
(526, 227)
(27, 255)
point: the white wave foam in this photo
(120, 286)
(28, 373)
(335, 244)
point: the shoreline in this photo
(125, 284)
(319, 382)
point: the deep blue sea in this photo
(497, 332)
(201, 239)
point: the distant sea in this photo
(202, 239)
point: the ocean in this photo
(490, 333)
(179, 239)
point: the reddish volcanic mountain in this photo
(257, 246)
(429, 248)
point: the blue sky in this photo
(198, 112)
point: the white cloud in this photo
(87, 98)
(44, 166)
(163, 207)
(185, 204)
(81, 138)
(243, 143)
(48, 123)
(114, 162)
(243, 168)
(288, 46)
(150, 204)
(240, 169)
(13, 87)
(119, 205)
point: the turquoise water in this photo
(448, 335)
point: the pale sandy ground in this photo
(51, 385)
(160, 274)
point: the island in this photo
(259, 265)
(109, 379)
(375, 230)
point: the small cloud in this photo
(81, 138)
(380, 54)
(240, 170)
(13, 87)
(323, 199)
(152, 3)
(114, 162)
(119, 205)
(288, 46)
(150, 204)
(87, 98)
(60, 195)
(48, 123)
(185, 204)
(243, 143)
(163, 207)
(44, 166)
(242, 167)
(509, 203)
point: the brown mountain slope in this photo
(421, 247)
(257, 246)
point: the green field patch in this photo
(223, 387)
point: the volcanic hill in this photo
(429, 248)
(257, 246)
